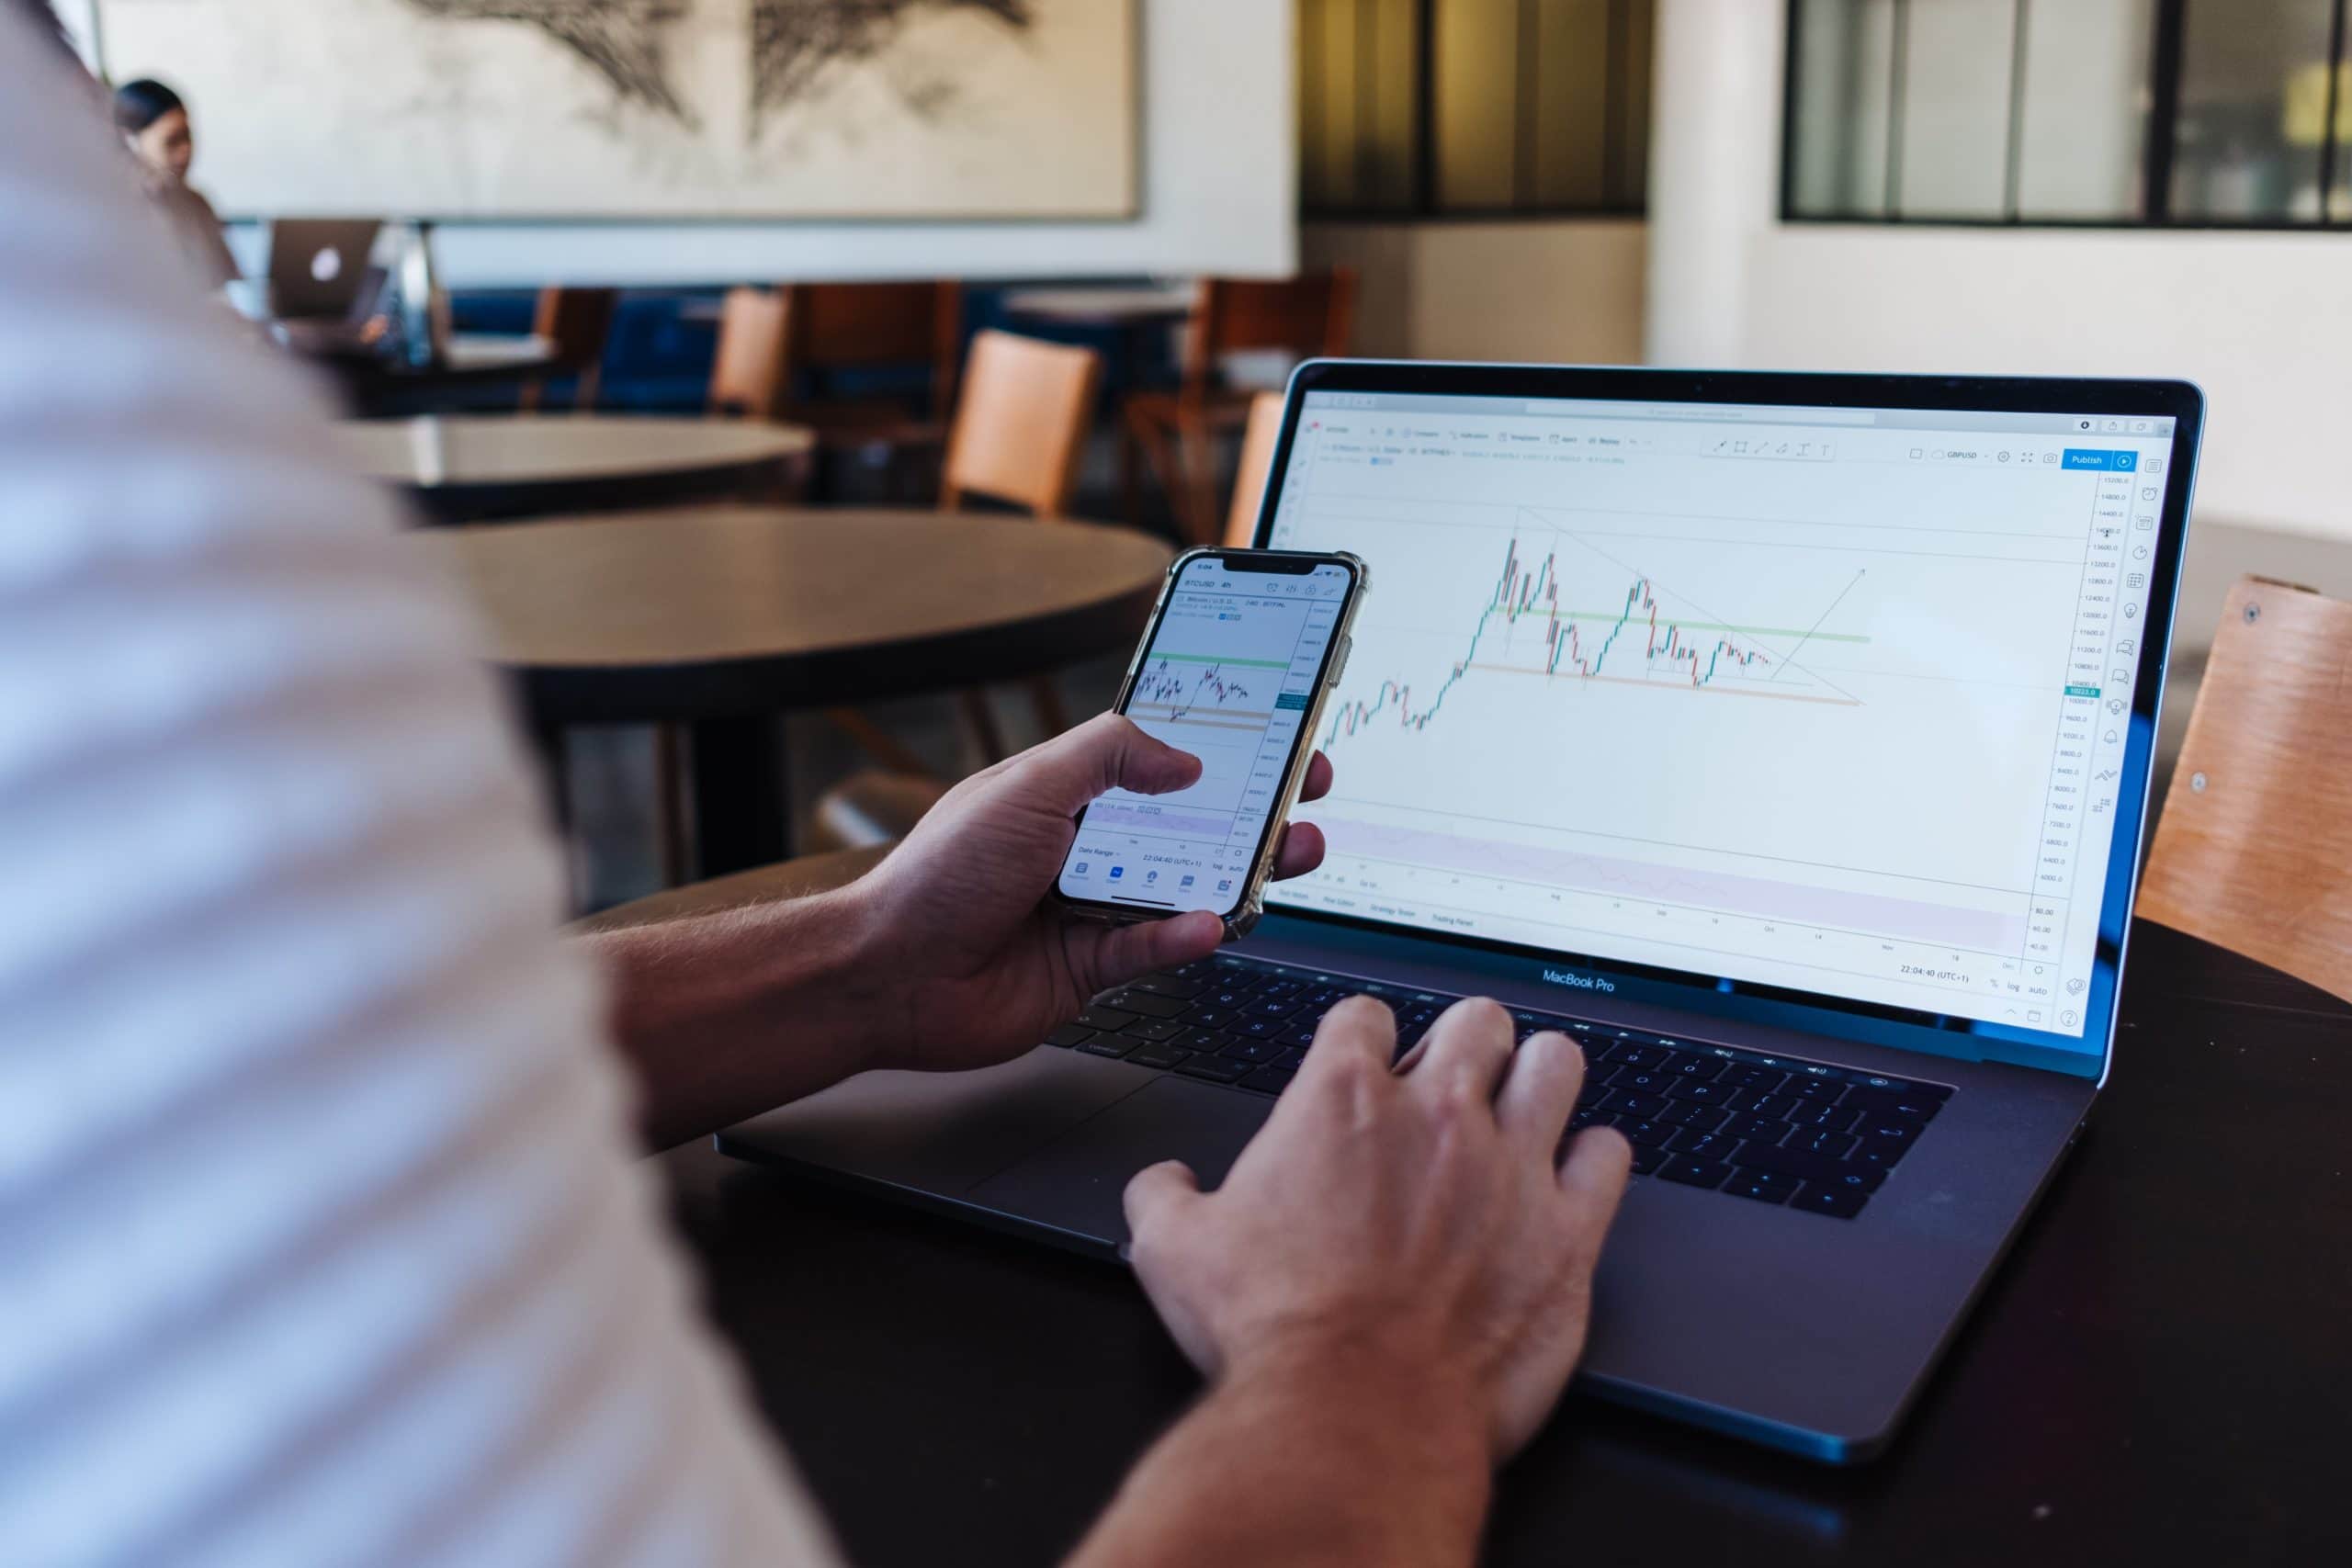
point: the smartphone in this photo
(1242, 653)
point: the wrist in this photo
(1367, 1380)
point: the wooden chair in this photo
(1019, 433)
(832, 327)
(2254, 852)
(577, 322)
(747, 380)
(1259, 439)
(1176, 432)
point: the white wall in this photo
(1220, 181)
(2263, 321)
(1567, 292)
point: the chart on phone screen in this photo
(1230, 676)
(1846, 723)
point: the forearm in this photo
(725, 1016)
(1333, 1463)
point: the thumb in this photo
(1121, 953)
(1157, 1194)
(1107, 751)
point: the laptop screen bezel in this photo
(1721, 996)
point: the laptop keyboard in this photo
(1770, 1129)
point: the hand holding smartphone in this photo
(1242, 653)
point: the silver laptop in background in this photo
(319, 267)
(1785, 737)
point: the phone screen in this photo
(1230, 675)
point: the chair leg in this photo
(1053, 715)
(878, 743)
(669, 806)
(1196, 486)
(984, 724)
(1164, 462)
(592, 384)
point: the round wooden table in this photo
(723, 617)
(477, 468)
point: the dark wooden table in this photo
(477, 468)
(2161, 1374)
(723, 617)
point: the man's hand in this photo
(1406, 1225)
(1387, 1295)
(982, 968)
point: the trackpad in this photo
(1077, 1182)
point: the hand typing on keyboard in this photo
(1392, 1284)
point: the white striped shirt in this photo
(321, 1237)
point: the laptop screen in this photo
(1831, 700)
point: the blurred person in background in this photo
(155, 120)
(327, 1235)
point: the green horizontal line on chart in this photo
(1613, 615)
(1236, 663)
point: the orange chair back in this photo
(747, 380)
(1306, 316)
(1021, 423)
(2254, 852)
(1259, 439)
(840, 326)
(576, 322)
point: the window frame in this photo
(2158, 160)
(1424, 206)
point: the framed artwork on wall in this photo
(650, 109)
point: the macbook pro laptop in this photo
(1786, 738)
(319, 267)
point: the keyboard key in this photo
(1829, 1146)
(1693, 1172)
(1842, 1202)
(1704, 1145)
(1209, 1017)
(1100, 1017)
(1274, 1007)
(1153, 1029)
(1299, 1034)
(1879, 1155)
(1111, 1045)
(1199, 1039)
(1256, 1051)
(1144, 1005)
(1232, 998)
(1762, 1129)
(1764, 1186)
(1801, 1165)
(1777, 1106)
(1636, 1104)
(1825, 1118)
(1260, 1028)
(1272, 1081)
(1592, 1099)
(1643, 1080)
(1632, 1055)
(1166, 985)
(1289, 1059)
(1817, 1089)
(1644, 1134)
(1908, 1107)
(1696, 1068)
(1889, 1131)
(1701, 1092)
(1216, 1069)
(1591, 1116)
(1763, 1081)
(1648, 1157)
(1273, 989)
(1069, 1035)
(1682, 1113)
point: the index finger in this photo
(1318, 778)
(1359, 1032)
